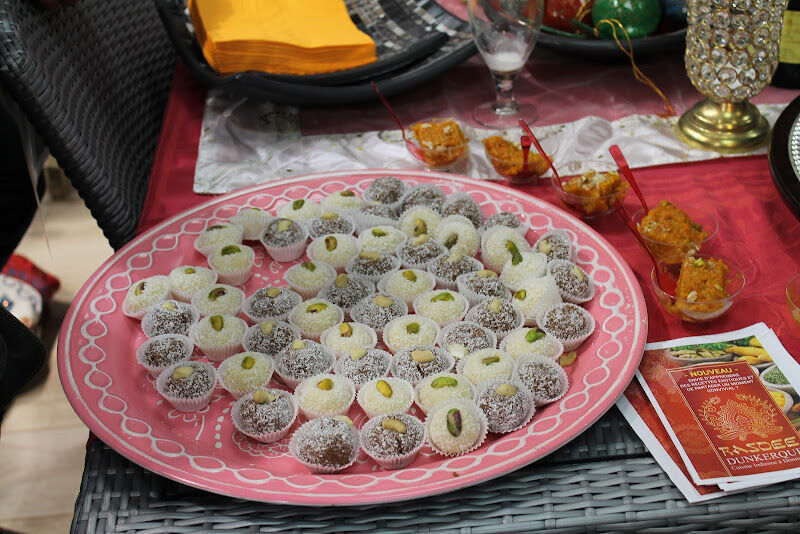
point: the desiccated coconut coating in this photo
(302, 210)
(386, 442)
(324, 395)
(239, 375)
(269, 337)
(327, 442)
(463, 204)
(487, 364)
(386, 189)
(470, 431)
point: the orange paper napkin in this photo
(279, 36)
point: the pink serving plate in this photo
(117, 400)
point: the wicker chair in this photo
(93, 80)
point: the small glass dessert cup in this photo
(439, 143)
(793, 297)
(691, 308)
(504, 153)
(592, 194)
(679, 246)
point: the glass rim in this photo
(639, 214)
(557, 185)
(469, 134)
(794, 300)
(738, 274)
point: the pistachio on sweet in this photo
(377, 232)
(450, 241)
(506, 390)
(577, 272)
(420, 227)
(454, 422)
(189, 270)
(345, 330)
(490, 360)
(494, 306)
(262, 396)
(326, 384)
(169, 305)
(285, 225)
(383, 301)
(140, 288)
(365, 255)
(298, 204)
(409, 275)
(568, 358)
(444, 296)
(544, 246)
(215, 227)
(420, 240)
(457, 350)
(298, 344)
(444, 382)
(181, 372)
(329, 216)
(341, 280)
(216, 293)
(520, 294)
(516, 257)
(347, 193)
(422, 355)
(357, 354)
(273, 292)
(455, 256)
(248, 362)
(217, 322)
(699, 262)
(267, 327)
(412, 328)
(395, 425)
(330, 243)
(534, 334)
(486, 273)
(344, 419)
(384, 388)
(309, 265)
(227, 250)
(316, 307)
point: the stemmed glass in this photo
(505, 32)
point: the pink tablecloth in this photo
(756, 229)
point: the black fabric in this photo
(93, 79)
(22, 354)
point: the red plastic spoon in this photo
(524, 126)
(664, 281)
(412, 147)
(525, 143)
(622, 163)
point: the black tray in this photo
(415, 41)
(784, 155)
(608, 50)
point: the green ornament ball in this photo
(640, 18)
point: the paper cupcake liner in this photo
(520, 385)
(394, 348)
(156, 370)
(393, 461)
(198, 297)
(292, 382)
(147, 321)
(300, 434)
(207, 248)
(247, 307)
(561, 233)
(504, 346)
(338, 265)
(313, 335)
(266, 437)
(409, 389)
(356, 311)
(133, 311)
(426, 409)
(345, 216)
(324, 337)
(577, 341)
(444, 283)
(220, 352)
(449, 359)
(566, 296)
(562, 375)
(460, 367)
(186, 296)
(248, 347)
(444, 332)
(310, 382)
(458, 297)
(289, 252)
(238, 393)
(481, 435)
(338, 367)
(187, 405)
(374, 278)
(252, 223)
(310, 291)
(472, 297)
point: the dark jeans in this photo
(22, 354)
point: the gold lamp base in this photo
(725, 127)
